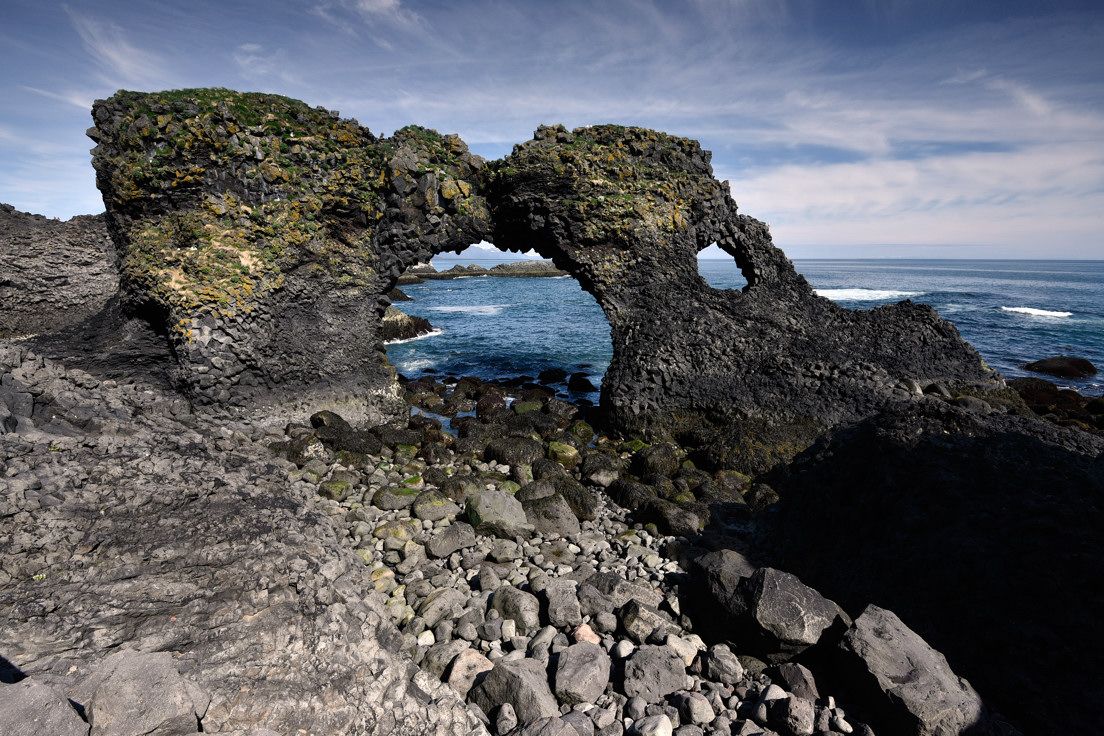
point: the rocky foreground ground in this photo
(171, 571)
(221, 511)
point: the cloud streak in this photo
(861, 122)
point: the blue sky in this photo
(898, 128)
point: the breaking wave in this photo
(1036, 312)
(865, 295)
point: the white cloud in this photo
(122, 62)
(82, 100)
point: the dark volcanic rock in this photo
(971, 528)
(268, 264)
(264, 235)
(52, 273)
(907, 686)
(398, 325)
(1063, 366)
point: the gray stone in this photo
(787, 615)
(433, 505)
(523, 608)
(722, 665)
(29, 708)
(552, 515)
(465, 670)
(654, 672)
(523, 684)
(909, 684)
(439, 656)
(694, 708)
(657, 725)
(141, 693)
(455, 536)
(639, 621)
(497, 513)
(582, 673)
(793, 716)
(441, 604)
(795, 678)
(561, 602)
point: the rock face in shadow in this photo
(981, 531)
(130, 522)
(52, 273)
(264, 235)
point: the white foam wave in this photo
(487, 310)
(865, 295)
(415, 364)
(423, 336)
(1036, 312)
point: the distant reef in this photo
(523, 269)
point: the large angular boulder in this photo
(906, 685)
(30, 708)
(523, 684)
(582, 673)
(653, 672)
(141, 693)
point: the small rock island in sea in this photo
(223, 511)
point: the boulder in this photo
(466, 669)
(142, 693)
(432, 505)
(951, 517)
(523, 684)
(1063, 366)
(561, 602)
(514, 451)
(497, 513)
(582, 673)
(523, 608)
(653, 672)
(906, 685)
(29, 708)
(552, 515)
(455, 536)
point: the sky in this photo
(854, 128)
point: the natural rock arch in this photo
(265, 235)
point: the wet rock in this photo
(514, 451)
(1063, 366)
(582, 673)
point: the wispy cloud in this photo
(76, 99)
(121, 61)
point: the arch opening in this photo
(503, 316)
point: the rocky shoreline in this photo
(223, 511)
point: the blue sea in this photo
(1013, 312)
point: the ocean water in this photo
(1013, 312)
